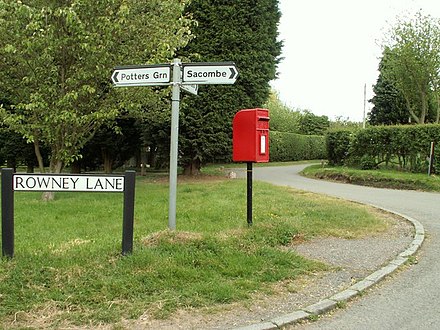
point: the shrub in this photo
(368, 162)
(338, 145)
(406, 147)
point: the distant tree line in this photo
(285, 119)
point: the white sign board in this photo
(209, 73)
(146, 75)
(192, 89)
(48, 182)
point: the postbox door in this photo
(262, 143)
(250, 138)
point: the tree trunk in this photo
(108, 162)
(29, 168)
(75, 167)
(193, 168)
(55, 167)
(424, 108)
(38, 155)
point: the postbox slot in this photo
(263, 122)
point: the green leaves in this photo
(58, 58)
(405, 147)
(412, 64)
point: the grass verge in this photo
(381, 178)
(68, 269)
(222, 169)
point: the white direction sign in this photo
(209, 73)
(142, 75)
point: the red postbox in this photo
(250, 136)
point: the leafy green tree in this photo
(413, 64)
(244, 32)
(344, 123)
(57, 58)
(282, 118)
(285, 119)
(311, 124)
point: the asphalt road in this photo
(411, 298)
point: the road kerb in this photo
(331, 303)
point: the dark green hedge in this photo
(289, 146)
(406, 147)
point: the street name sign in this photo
(10, 183)
(47, 182)
(142, 75)
(209, 73)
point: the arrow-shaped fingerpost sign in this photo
(186, 76)
(142, 75)
(209, 73)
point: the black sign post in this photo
(249, 193)
(64, 182)
(128, 213)
(7, 213)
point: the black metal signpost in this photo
(249, 193)
(62, 182)
(7, 213)
(128, 213)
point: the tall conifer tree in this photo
(244, 32)
(389, 103)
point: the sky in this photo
(332, 51)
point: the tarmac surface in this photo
(411, 299)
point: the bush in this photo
(406, 147)
(368, 163)
(338, 146)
